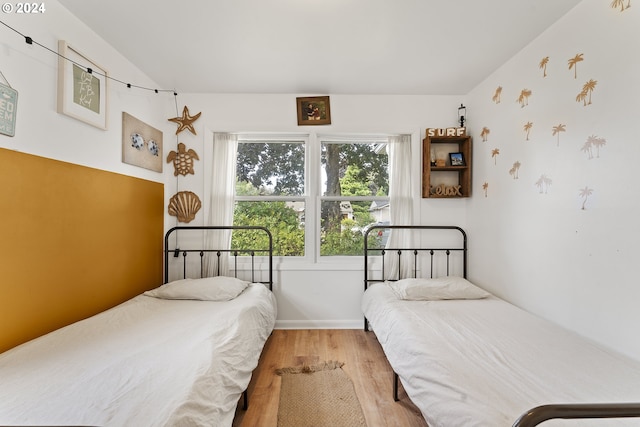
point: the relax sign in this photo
(8, 107)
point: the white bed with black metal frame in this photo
(468, 358)
(180, 354)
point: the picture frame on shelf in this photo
(314, 110)
(456, 159)
(82, 87)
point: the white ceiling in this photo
(421, 47)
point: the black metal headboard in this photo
(432, 253)
(376, 236)
(194, 246)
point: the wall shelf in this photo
(448, 181)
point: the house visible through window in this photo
(355, 190)
(270, 191)
(317, 195)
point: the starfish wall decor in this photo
(186, 121)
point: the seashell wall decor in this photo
(184, 205)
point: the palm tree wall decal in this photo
(494, 154)
(527, 128)
(587, 148)
(599, 142)
(573, 63)
(523, 99)
(514, 170)
(591, 143)
(543, 183)
(557, 130)
(582, 96)
(485, 134)
(485, 186)
(620, 3)
(543, 65)
(496, 96)
(587, 89)
(585, 193)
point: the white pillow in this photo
(442, 288)
(219, 288)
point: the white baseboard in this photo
(320, 324)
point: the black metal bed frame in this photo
(251, 252)
(532, 417)
(176, 252)
(415, 251)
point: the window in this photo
(316, 194)
(270, 190)
(355, 190)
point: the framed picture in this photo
(314, 110)
(141, 144)
(457, 159)
(82, 87)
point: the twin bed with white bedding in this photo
(468, 358)
(181, 354)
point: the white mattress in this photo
(485, 362)
(146, 362)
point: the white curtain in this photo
(221, 201)
(401, 211)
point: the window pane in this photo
(285, 221)
(357, 169)
(352, 170)
(346, 236)
(270, 168)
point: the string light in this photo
(31, 41)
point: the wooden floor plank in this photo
(364, 362)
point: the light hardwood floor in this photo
(364, 362)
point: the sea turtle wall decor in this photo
(182, 160)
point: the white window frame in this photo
(287, 137)
(339, 139)
(312, 196)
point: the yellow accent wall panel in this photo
(75, 241)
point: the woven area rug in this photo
(318, 396)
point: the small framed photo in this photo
(313, 110)
(456, 159)
(82, 87)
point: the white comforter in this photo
(485, 362)
(146, 362)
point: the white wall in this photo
(32, 71)
(541, 250)
(324, 294)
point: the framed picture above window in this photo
(313, 110)
(82, 87)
